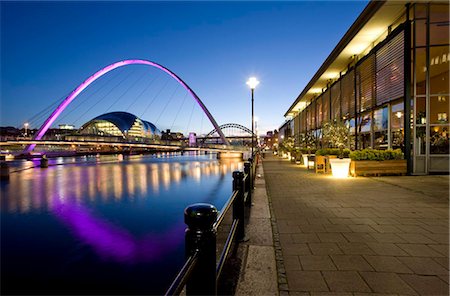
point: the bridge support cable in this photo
(178, 112)
(167, 104)
(190, 118)
(82, 103)
(51, 119)
(127, 90)
(142, 92)
(106, 95)
(38, 118)
(154, 98)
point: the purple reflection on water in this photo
(111, 242)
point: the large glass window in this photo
(439, 63)
(397, 124)
(420, 71)
(439, 24)
(421, 110)
(439, 140)
(380, 128)
(364, 137)
(439, 108)
(420, 140)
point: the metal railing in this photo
(200, 273)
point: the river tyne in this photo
(103, 225)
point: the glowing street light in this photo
(252, 83)
(26, 124)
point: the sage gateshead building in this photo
(120, 126)
(387, 80)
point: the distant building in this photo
(120, 124)
(65, 126)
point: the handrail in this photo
(225, 209)
(226, 248)
(183, 275)
(200, 274)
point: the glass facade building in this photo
(388, 81)
(121, 124)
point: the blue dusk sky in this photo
(49, 48)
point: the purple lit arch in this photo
(43, 129)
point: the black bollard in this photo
(44, 162)
(200, 236)
(4, 171)
(238, 204)
(248, 182)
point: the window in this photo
(380, 128)
(439, 64)
(397, 124)
(439, 140)
(439, 108)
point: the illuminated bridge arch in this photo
(43, 129)
(230, 126)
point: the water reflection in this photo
(32, 190)
(113, 218)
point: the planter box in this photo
(377, 168)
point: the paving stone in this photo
(331, 237)
(387, 238)
(361, 228)
(420, 250)
(387, 264)
(312, 228)
(288, 228)
(306, 281)
(426, 285)
(351, 262)
(259, 276)
(442, 238)
(291, 262)
(386, 249)
(386, 228)
(324, 248)
(413, 228)
(316, 262)
(443, 261)
(415, 238)
(356, 249)
(345, 281)
(305, 238)
(358, 237)
(387, 283)
(424, 266)
(337, 228)
(443, 249)
(295, 249)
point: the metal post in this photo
(248, 188)
(407, 91)
(4, 171)
(253, 143)
(44, 162)
(201, 237)
(238, 204)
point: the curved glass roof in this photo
(124, 121)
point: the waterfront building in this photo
(387, 80)
(120, 124)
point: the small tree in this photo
(335, 135)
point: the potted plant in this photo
(377, 162)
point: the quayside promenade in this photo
(357, 236)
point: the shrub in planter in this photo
(377, 162)
(380, 155)
(333, 151)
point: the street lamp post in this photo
(26, 127)
(252, 83)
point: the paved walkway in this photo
(358, 236)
